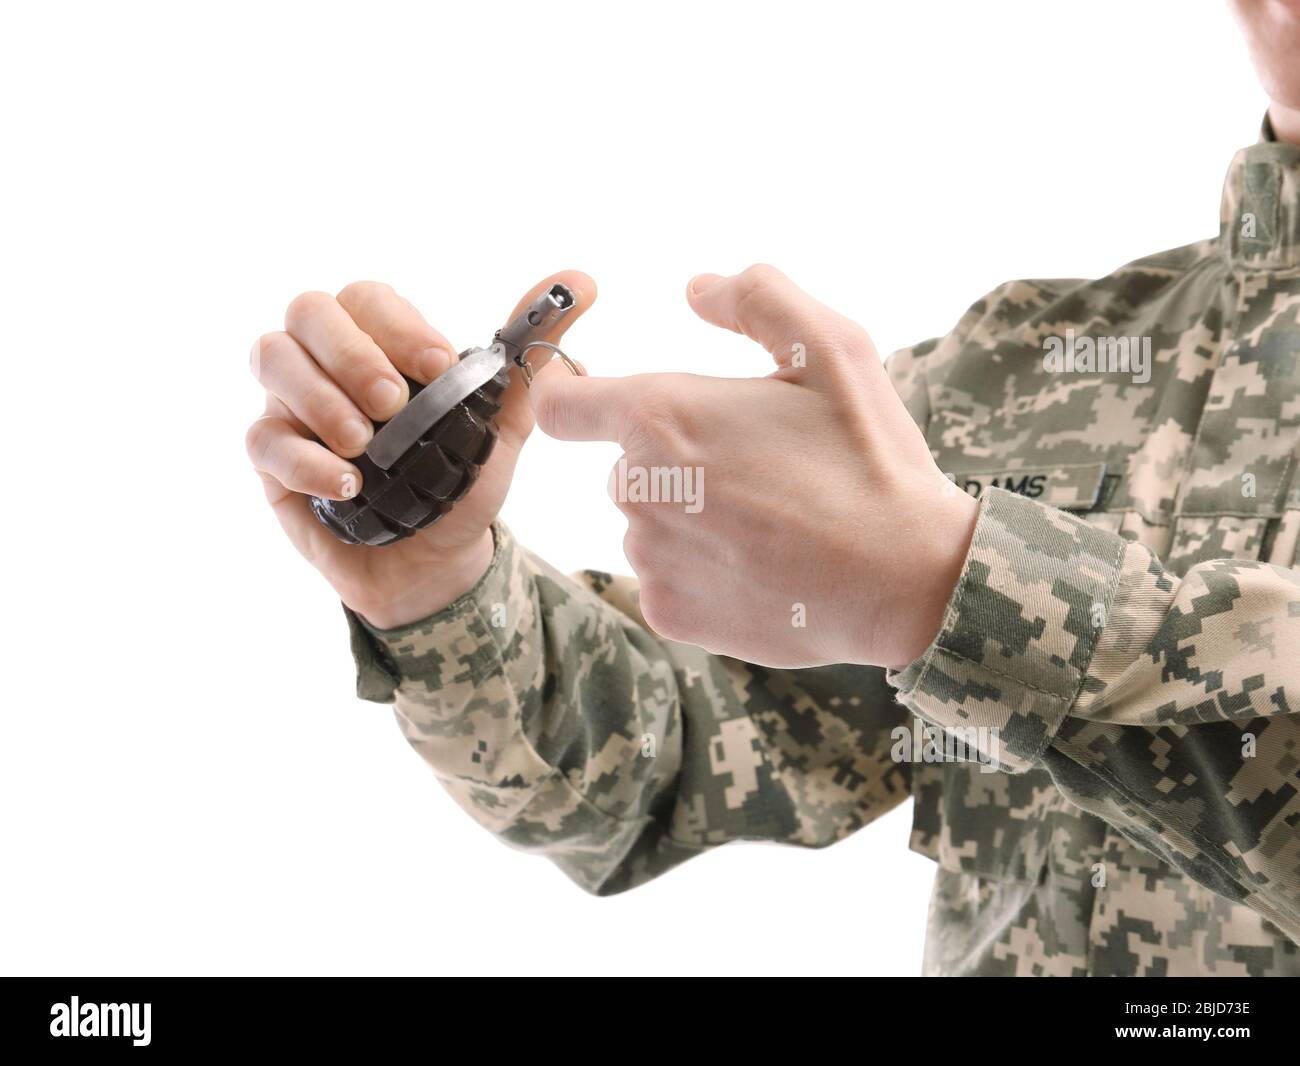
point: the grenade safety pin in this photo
(427, 457)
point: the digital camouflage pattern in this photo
(1127, 625)
(554, 716)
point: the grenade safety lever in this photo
(428, 455)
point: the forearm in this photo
(566, 727)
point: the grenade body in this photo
(427, 480)
(428, 455)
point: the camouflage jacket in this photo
(1124, 641)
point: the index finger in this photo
(417, 349)
(569, 407)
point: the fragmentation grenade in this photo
(426, 457)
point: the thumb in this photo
(767, 307)
(515, 419)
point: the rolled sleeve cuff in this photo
(459, 643)
(1019, 631)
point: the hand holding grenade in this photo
(427, 457)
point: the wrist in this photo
(441, 584)
(934, 576)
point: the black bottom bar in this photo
(595, 1019)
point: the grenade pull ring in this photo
(575, 367)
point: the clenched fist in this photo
(790, 520)
(335, 370)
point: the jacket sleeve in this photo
(1170, 707)
(562, 724)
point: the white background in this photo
(187, 784)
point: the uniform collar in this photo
(1259, 218)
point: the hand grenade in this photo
(427, 457)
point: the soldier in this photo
(1122, 642)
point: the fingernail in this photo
(433, 362)
(384, 396)
(354, 434)
(255, 358)
(701, 282)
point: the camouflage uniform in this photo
(1126, 628)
